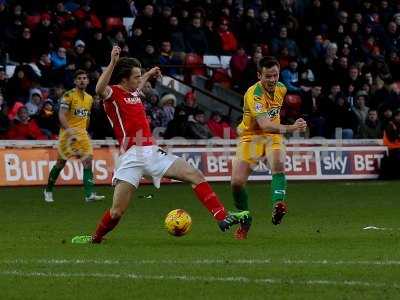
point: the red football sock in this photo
(106, 224)
(210, 200)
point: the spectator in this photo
(189, 106)
(4, 121)
(59, 58)
(220, 128)
(195, 39)
(25, 128)
(360, 110)
(197, 127)
(24, 47)
(238, 64)
(167, 57)
(3, 80)
(391, 139)
(147, 22)
(343, 119)
(47, 120)
(371, 128)
(45, 67)
(228, 39)
(213, 38)
(99, 127)
(44, 34)
(150, 57)
(312, 112)
(35, 102)
(98, 45)
(78, 56)
(250, 73)
(176, 35)
(178, 126)
(281, 42)
(167, 104)
(290, 76)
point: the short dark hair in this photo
(123, 69)
(80, 72)
(268, 62)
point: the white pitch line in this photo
(199, 262)
(189, 278)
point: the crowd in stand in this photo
(339, 59)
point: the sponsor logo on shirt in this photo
(81, 112)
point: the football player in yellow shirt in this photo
(260, 138)
(74, 140)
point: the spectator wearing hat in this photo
(189, 105)
(35, 102)
(197, 127)
(25, 128)
(167, 105)
(220, 128)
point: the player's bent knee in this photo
(194, 175)
(237, 183)
(116, 212)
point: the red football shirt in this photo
(127, 116)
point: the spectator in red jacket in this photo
(25, 128)
(238, 64)
(228, 39)
(220, 128)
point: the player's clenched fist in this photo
(300, 124)
(115, 52)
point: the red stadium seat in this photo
(114, 23)
(32, 21)
(291, 109)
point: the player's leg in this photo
(54, 173)
(276, 160)
(240, 173)
(123, 193)
(88, 180)
(181, 170)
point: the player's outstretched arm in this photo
(104, 80)
(153, 72)
(267, 125)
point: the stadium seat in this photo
(114, 23)
(212, 61)
(32, 21)
(291, 109)
(193, 66)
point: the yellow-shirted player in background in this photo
(74, 140)
(260, 138)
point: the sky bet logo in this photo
(81, 112)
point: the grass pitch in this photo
(320, 251)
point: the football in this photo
(178, 222)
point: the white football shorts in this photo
(138, 161)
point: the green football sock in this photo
(278, 187)
(88, 181)
(240, 199)
(55, 171)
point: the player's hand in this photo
(155, 72)
(115, 52)
(300, 124)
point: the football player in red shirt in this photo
(139, 155)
